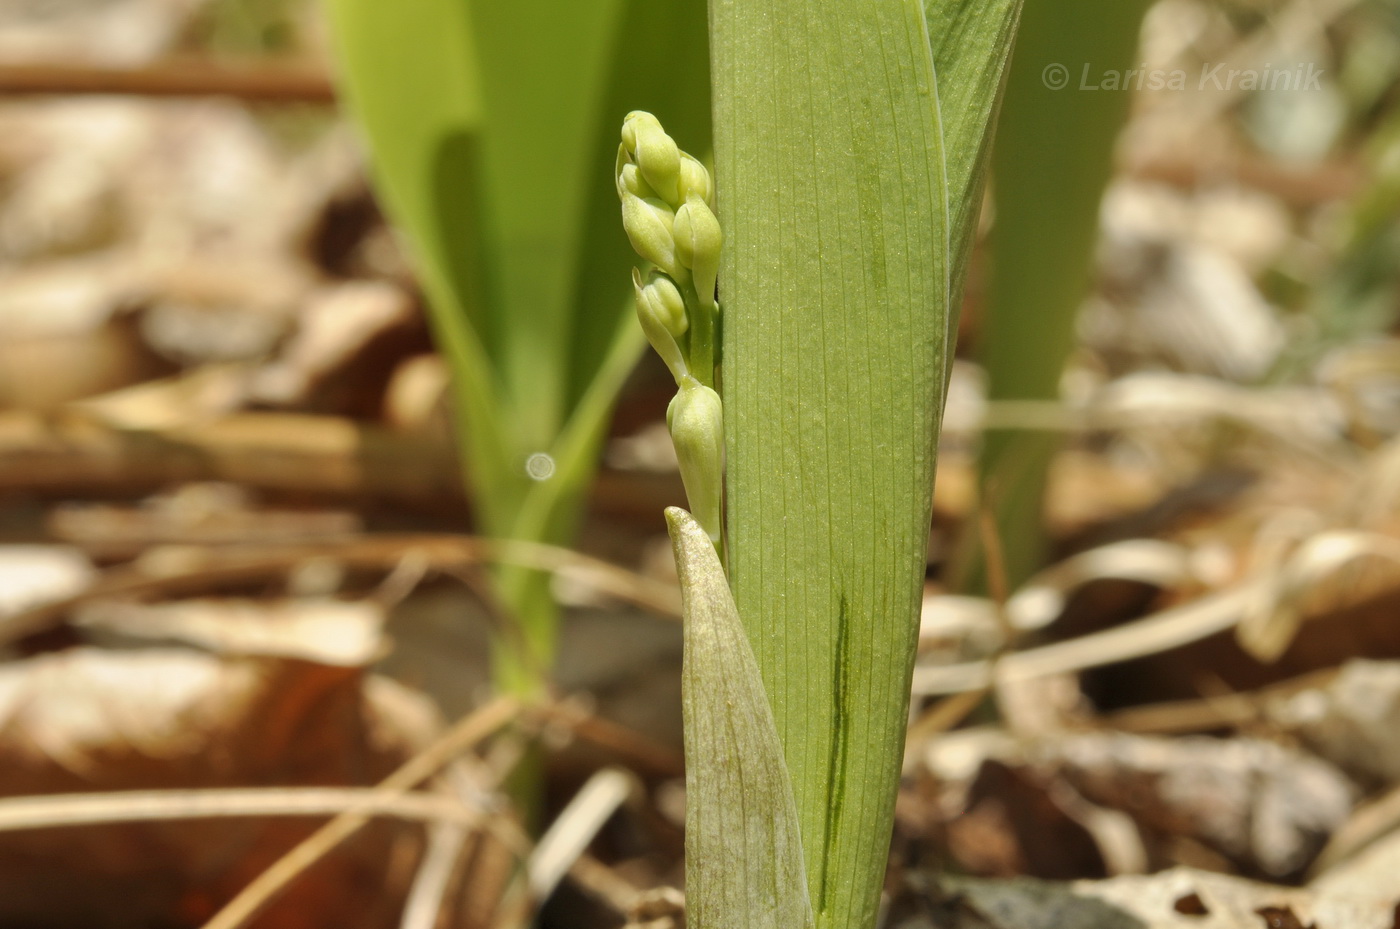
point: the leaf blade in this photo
(835, 284)
(425, 159)
(544, 70)
(493, 130)
(972, 42)
(664, 70)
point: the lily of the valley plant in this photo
(851, 138)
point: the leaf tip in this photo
(679, 523)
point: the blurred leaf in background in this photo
(492, 129)
(1052, 161)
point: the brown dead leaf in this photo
(329, 632)
(164, 718)
(31, 575)
(1212, 901)
(1353, 720)
(343, 333)
(1013, 825)
(1265, 807)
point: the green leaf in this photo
(972, 42)
(544, 70)
(743, 851)
(834, 285)
(492, 126)
(409, 74)
(1053, 159)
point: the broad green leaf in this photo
(544, 70)
(743, 851)
(409, 74)
(830, 177)
(1053, 158)
(972, 42)
(556, 82)
(492, 126)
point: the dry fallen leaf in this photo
(1181, 898)
(1265, 807)
(1353, 720)
(86, 720)
(31, 575)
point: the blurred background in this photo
(236, 552)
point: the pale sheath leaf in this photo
(743, 851)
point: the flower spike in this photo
(667, 212)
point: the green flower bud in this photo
(698, 239)
(654, 152)
(649, 223)
(629, 180)
(661, 310)
(695, 180)
(664, 301)
(696, 420)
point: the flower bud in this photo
(661, 311)
(695, 180)
(629, 180)
(649, 224)
(696, 420)
(698, 239)
(654, 152)
(663, 300)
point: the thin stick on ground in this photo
(130, 806)
(571, 833)
(218, 565)
(460, 738)
(259, 82)
(446, 844)
(1276, 592)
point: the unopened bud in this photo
(649, 223)
(630, 180)
(661, 310)
(696, 420)
(664, 301)
(695, 180)
(698, 240)
(654, 152)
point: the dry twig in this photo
(460, 738)
(260, 83)
(211, 567)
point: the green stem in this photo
(702, 335)
(524, 649)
